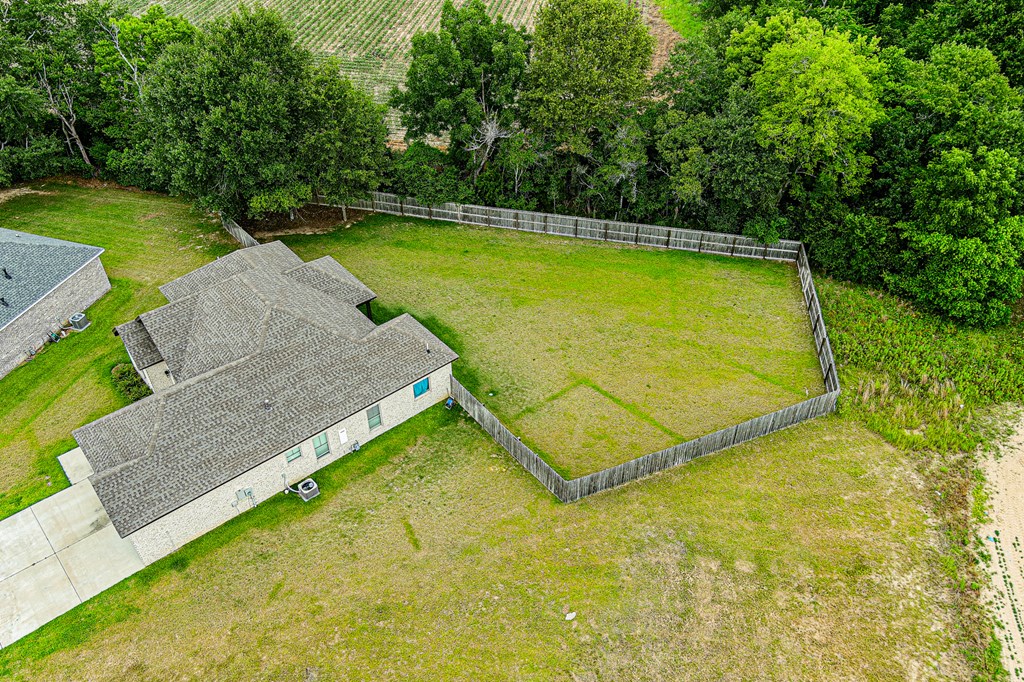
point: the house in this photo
(264, 370)
(43, 282)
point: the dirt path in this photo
(665, 37)
(1003, 537)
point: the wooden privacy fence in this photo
(577, 488)
(583, 228)
(236, 231)
(642, 235)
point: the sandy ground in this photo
(1004, 540)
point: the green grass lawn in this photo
(149, 240)
(682, 15)
(431, 555)
(593, 354)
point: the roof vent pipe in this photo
(7, 275)
(4, 303)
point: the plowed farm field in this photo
(372, 38)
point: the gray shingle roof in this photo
(36, 265)
(329, 276)
(139, 344)
(315, 358)
(270, 257)
(225, 321)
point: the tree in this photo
(123, 56)
(45, 47)
(26, 148)
(966, 242)
(344, 145)
(818, 100)
(993, 24)
(243, 124)
(590, 63)
(463, 82)
(428, 175)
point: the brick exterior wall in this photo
(221, 504)
(51, 312)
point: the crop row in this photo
(371, 37)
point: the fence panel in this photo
(686, 240)
(236, 231)
(564, 225)
(532, 222)
(588, 228)
(653, 235)
(411, 207)
(720, 244)
(623, 233)
(449, 211)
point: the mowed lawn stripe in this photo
(694, 342)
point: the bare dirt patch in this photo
(665, 37)
(310, 220)
(1003, 538)
(8, 194)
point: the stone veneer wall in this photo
(168, 533)
(28, 332)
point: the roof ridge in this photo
(157, 423)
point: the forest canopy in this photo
(886, 136)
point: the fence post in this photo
(401, 206)
(545, 223)
(373, 202)
(733, 252)
(668, 237)
(700, 244)
(576, 227)
(636, 237)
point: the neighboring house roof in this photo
(37, 265)
(253, 335)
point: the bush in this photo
(128, 382)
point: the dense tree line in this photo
(886, 136)
(233, 115)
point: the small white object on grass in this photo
(570, 615)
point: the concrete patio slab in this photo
(22, 543)
(76, 466)
(34, 597)
(99, 561)
(71, 515)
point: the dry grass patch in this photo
(587, 429)
(774, 560)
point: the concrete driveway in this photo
(55, 555)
